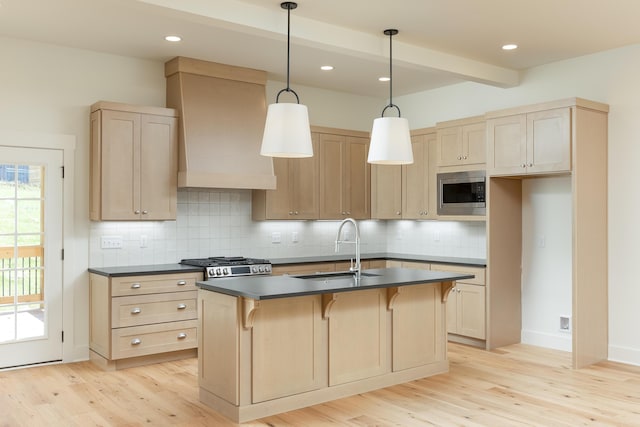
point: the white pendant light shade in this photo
(390, 142)
(287, 132)
(390, 136)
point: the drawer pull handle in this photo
(136, 341)
(182, 306)
(182, 282)
(135, 286)
(136, 311)
(182, 336)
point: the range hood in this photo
(222, 114)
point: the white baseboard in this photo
(630, 356)
(558, 341)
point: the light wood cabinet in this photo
(419, 191)
(386, 191)
(588, 168)
(287, 354)
(537, 142)
(136, 320)
(134, 161)
(297, 192)
(466, 306)
(357, 335)
(462, 144)
(262, 357)
(417, 316)
(345, 176)
(408, 191)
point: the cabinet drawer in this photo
(148, 309)
(151, 284)
(478, 271)
(152, 339)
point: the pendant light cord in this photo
(391, 33)
(288, 5)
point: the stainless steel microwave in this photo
(462, 193)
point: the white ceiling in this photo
(441, 42)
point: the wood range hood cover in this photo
(222, 114)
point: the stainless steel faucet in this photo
(354, 267)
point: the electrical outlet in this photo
(111, 242)
(144, 241)
(294, 237)
(276, 237)
(565, 323)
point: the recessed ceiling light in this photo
(509, 46)
(173, 38)
(384, 79)
(326, 67)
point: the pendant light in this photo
(287, 132)
(390, 136)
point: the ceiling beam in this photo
(249, 19)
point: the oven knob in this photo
(254, 269)
(261, 269)
(225, 271)
(218, 272)
(267, 268)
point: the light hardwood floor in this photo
(512, 386)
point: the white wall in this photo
(610, 77)
(546, 261)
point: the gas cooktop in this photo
(230, 266)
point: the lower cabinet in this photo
(357, 335)
(260, 357)
(466, 310)
(466, 307)
(136, 320)
(287, 353)
(417, 318)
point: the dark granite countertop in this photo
(142, 270)
(269, 287)
(473, 262)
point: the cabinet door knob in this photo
(182, 336)
(136, 311)
(459, 157)
(145, 212)
(398, 213)
(182, 306)
(137, 212)
(182, 282)
(135, 286)
(530, 165)
(136, 341)
(295, 213)
(523, 165)
(290, 212)
(344, 213)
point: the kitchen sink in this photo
(336, 275)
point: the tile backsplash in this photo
(218, 223)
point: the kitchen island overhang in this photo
(272, 344)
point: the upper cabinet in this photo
(333, 184)
(386, 191)
(133, 160)
(345, 175)
(407, 191)
(537, 142)
(461, 144)
(296, 195)
(419, 189)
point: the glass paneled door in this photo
(31, 194)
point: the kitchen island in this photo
(276, 343)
